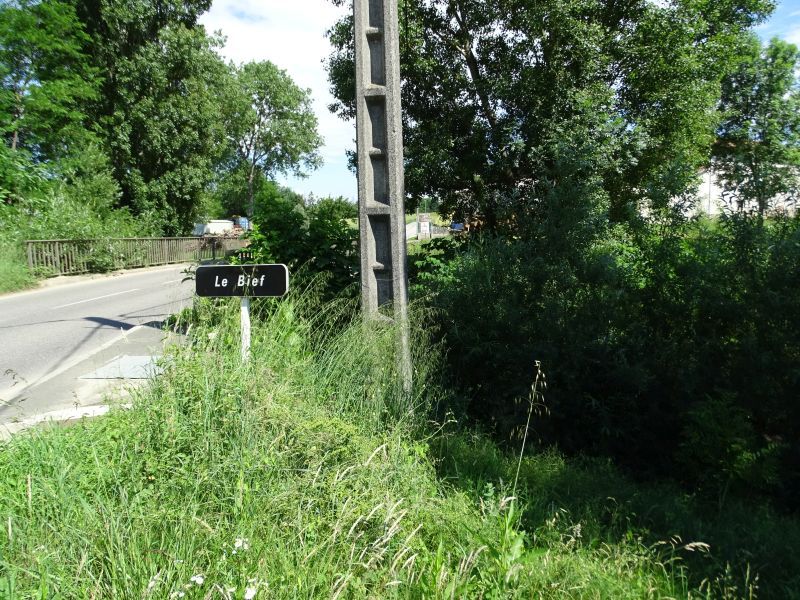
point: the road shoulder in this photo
(81, 388)
(67, 280)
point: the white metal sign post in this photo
(244, 281)
(245, 314)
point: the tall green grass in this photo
(14, 273)
(305, 473)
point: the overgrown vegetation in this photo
(308, 472)
(568, 135)
(310, 237)
(671, 340)
(676, 354)
(121, 119)
(14, 274)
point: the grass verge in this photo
(308, 473)
(14, 273)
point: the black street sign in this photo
(242, 280)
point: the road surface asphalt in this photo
(52, 337)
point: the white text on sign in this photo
(243, 280)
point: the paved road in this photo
(48, 331)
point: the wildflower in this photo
(250, 593)
(198, 579)
(241, 544)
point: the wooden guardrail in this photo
(68, 257)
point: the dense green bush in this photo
(675, 350)
(14, 273)
(310, 238)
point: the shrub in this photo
(14, 273)
(310, 240)
(649, 337)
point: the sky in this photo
(784, 23)
(291, 34)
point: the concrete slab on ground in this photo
(128, 367)
(105, 377)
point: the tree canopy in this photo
(46, 78)
(757, 152)
(270, 124)
(500, 97)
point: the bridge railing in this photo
(68, 257)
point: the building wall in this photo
(710, 200)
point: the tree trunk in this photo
(17, 118)
(251, 203)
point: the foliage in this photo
(76, 202)
(488, 87)
(314, 238)
(14, 274)
(339, 207)
(157, 111)
(45, 78)
(270, 124)
(20, 177)
(307, 472)
(757, 153)
(166, 125)
(231, 189)
(643, 337)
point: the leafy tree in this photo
(51, 149)
(158, 110)
(312, 238)
(270, 124)
(492, 89)
(120, 28)
(757, 152)
(168, 129)
(45, 77)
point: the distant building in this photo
(213, 227)
(711, 201)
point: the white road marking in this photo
(97, 298)
(174, 280)
(72, 363)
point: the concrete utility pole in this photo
(381, 213)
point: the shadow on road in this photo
(113, 323)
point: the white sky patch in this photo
(291, 34)
(793, 35)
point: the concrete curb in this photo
(57, 416)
